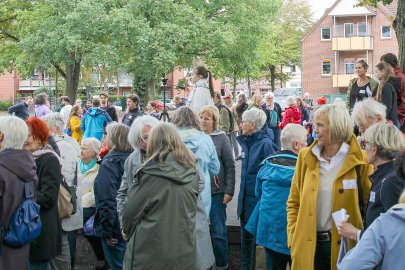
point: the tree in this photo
(282, 45)
(399, 25)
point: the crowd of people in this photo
(148, 194)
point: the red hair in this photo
(39, 129)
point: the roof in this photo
(346, 8)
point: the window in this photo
(362, 29)
(349, 29)
(349, 68)
(325, 33)
(385, 32)
(327, 67)
(293, 69)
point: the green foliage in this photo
(5, 104)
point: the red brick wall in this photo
(8, 86)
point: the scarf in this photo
(84, 168)
(46, 149)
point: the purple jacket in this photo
(41, 110)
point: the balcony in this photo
(352, 37)
(343, 80)
(32, 84)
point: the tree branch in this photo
(16, 39)
(60, 70)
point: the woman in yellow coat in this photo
(74, 123)
(325, 181)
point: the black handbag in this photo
(72, 190)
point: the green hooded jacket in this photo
(159, 217)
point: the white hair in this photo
(54, 121)
(368, 109)
(255, 116)
(135, 133)
(269, 94)
(93, 144)
(290, 134)
(15, 132)
(290, 101)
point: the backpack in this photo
(25, 223)
(231, 118)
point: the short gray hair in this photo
(15, 132)
(54, 121)
(255, 116)
(387, 138)
(135, 132)
(290, 134)
(93, 144)
(269, 94)
(291, 101)
(368, 109)
(117, 134)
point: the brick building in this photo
(9, 83)
(344, 35)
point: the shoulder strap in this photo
(360, 191)
(27, 193)
(283, 156)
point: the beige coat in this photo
(88, 187)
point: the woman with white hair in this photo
(138, 138)
(90, 147)
(108, 181)
(257, 145)
(383, 143)
(17, 169)
(69, 158)
(327, 178)
(269, 220)
(292, 114)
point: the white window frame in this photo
(344, 30)
(330, 63)
(354, 67)
(358, 27)
(330, 33)
(381, 32)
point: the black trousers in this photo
(276, 261)
(322, 255)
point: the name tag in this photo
(242, 155)
(349, 184)
(372, 196)
(362, 91)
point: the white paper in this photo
(372, 196)
(340, 215)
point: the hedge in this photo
(5, 104)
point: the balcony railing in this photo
(352, 37)
(349, 30)
(343, 80)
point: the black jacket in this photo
(49, 242)
(389, 98)
(385, 191)
(278, 109)
(111, 112)
(130, 116)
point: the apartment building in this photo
(345, 34)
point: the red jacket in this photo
(291, 115)
(401, 96)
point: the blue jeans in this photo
(114, 254)
(248, 244)
(219, 234)
(38, 265)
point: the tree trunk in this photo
(150, 90)
(281, 80)
(234, 85)
(249, 88)
(400, 31)
(272, 77)
(72, 80)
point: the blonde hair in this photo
(368, 109)
(163, 140)
(255, 99)
(340, 122)
(402, 198)
(184, 117)
(388, 139)
(117, 134)
(73, 111)
(299, 100)
(213, 112)
(387, 73)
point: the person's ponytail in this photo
(211, 84)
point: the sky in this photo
(319, 6)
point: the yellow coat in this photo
(302, 203)
(75, 128)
